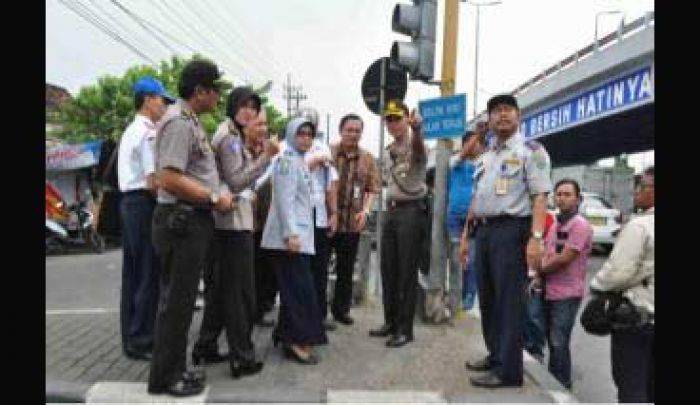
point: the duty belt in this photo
(393, 204)
(498, 219)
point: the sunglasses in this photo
(393, 118)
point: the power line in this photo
(213, 29)
(245, 43)
(144, 26)
(259, 62)
(182, 22)
(117, 22)
(103, 27)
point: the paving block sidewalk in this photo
(85, 349)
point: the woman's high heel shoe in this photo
(293, 355)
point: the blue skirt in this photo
(299, 320)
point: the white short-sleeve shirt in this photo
(136, 154)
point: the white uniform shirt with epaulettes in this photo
(291, 206)
(182, 144)
(506, 175)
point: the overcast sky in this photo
(326, 46)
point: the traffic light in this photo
(418, 21)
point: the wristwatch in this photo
(214, 197)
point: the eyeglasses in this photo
(305, 132)
(393, 118)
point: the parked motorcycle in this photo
(71, 226)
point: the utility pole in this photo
(288, 95)
(476, 50)
(292, 93)
(438, 257)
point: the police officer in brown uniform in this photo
(404, 171)
(183, 225)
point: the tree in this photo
(105, 109)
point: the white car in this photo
(605, 220)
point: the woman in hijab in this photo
(289, 235)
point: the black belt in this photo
(140, 191)
(187, 207)
(499, 219)
(393, 204)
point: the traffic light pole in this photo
(439, 275)
(380, 215)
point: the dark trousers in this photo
(534, 324)
(345, 245)
(235, 260)
(401, 249)
(560, 316)
(139, 290)
(300, 319)
(230, 296)
(319, 268)
(182, 251)
(502, 271)
(265, 280)
(213, 316)
(633, 364)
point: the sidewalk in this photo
(84, 363)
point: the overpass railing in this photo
(643, 21)
(596, 46)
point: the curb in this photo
(66, 392)
(541, 376)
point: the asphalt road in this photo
(90, 281)
(590, 356)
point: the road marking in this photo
(81, 311)
(134, 392)
(367, 396)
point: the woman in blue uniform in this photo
(289, 235)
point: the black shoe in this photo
(344, 319)
(329, 325)
(240, 369)
(180, 388)
(491, 380)
(292, 355)
(198, 376)
(383, 331)
(135, 354)
(479, 365)
(399, 340)
(265, 323)
(209, 357)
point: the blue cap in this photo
(149, 85)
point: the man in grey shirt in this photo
(183, 226)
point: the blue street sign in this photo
(444, 117)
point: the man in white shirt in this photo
(136, 174)
(630, 270)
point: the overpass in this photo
(597, 102)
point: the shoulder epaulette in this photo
(533, 145)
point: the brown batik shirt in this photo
(358, 175)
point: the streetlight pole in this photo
(476, 50)
(597, 15)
